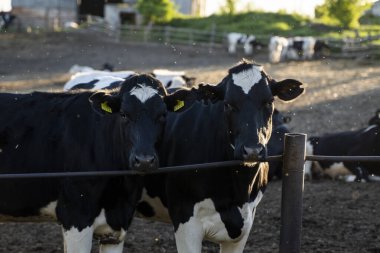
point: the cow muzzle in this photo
(144, 163)
(254, 153)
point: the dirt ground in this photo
(340, 95)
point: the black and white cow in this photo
(87, 131)
(235, 122)
(362, 142)
(296, 48)
(276, 142)
(249, 42)
(89, 78)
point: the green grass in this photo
(265, 25)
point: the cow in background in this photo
(362, 142)
(6, 16)
(276, 142)
(249, 42)
(88, 78)
(295, 48)
(277, 49)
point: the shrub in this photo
(156, 10)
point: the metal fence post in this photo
(292, 191)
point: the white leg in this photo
(111, 248)
(237, 247)
(189, 236)
(76, 241)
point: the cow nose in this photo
(145, 162)
(253, 153)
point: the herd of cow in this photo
(124, 120)
(280, 48)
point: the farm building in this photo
(375, 9)
(47, 14)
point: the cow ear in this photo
(214, 93)
(183, 99)
(104, 103)
(180, 100)
(287, 89)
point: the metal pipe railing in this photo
(181, 167)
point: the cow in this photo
(321, 48)
(233, 121)
(89, 78)
(361, 142)
(276, 142)
(249, 42)
(80, 69)
(81, 131)
(295, 48)
(277, 49)
(6, 16)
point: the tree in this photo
(345, 12)
(156, 10)
(229, 7)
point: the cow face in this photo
(248, 94)
(139, 112)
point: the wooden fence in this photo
(357, 47)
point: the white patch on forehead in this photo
(143, 93)
(248, 78)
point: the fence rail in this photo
(182, 168)
(292, 184)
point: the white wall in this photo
(305, 7)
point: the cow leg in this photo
(111, 248)
(76, 241)
(189, 236)
(238, 246)
(234, 247)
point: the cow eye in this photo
(268, 104)
(124, 116)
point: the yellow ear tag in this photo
(179, 105)
(105, 107)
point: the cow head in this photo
(279, 119)
(248, 94)
(139, 111)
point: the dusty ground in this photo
(341, 95)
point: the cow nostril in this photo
(144, 160)
(150, 159)
(137, 161)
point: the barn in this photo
(54, 14)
